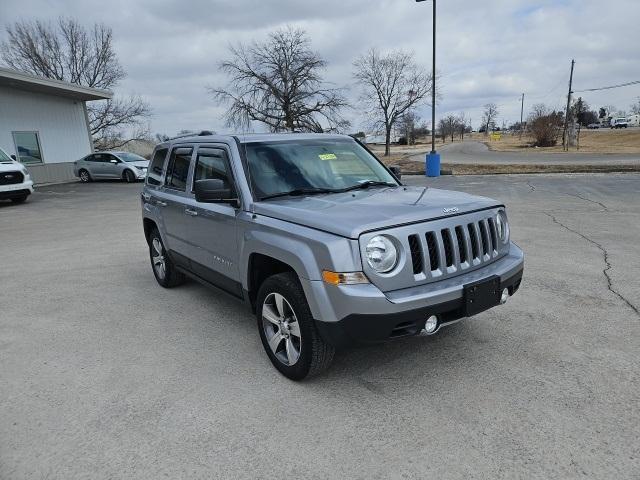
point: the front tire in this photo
(18, 200)
(128, 176)
(163, 268)
(288, 330)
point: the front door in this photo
(212, 226)
(171, 199)
(111, 166)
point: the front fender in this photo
(307, 251)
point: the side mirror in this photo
(396, 171)
(14, 157)
(214, 191)
(113, 160)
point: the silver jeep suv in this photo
(322, 241)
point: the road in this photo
(106, 375)
(473, 152)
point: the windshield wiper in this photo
(300, 191)
(369, 183)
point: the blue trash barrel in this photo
(433, 164)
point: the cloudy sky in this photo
(489, 51)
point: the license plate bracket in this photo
(481, 295)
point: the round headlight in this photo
(382, 254)
(502, 225)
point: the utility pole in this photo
(521, 114)
(565, 140)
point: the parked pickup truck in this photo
(619, 123)
(322, 241)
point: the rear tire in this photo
(84, 175)
(163, 268)
(18, 200)
(288, 330)
(128, 176)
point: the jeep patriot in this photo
(322, 241)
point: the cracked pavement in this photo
(106, 375)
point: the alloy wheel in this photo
(84, 176)
(281, 329)
(157, 257)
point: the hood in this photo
(350, 214)
(11, 166)
(140, 164)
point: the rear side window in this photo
(178, 168)
(155, 168)
(212, 163)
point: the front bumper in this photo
(351, 313)
(16, 190)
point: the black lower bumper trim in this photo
(373, 328)
(14, 194)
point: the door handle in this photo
(190, 212)
(160, 203)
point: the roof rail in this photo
(202, 133)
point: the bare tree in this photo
(408, 124)
(70, 52)
(279, 82)
(451, 125)
(392, 85)
(635, 108)
(489, 116)
(462, 124)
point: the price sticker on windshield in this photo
(328, 156)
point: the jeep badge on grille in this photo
(450, 210)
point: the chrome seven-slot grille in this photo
(452, 249)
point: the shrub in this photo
(544, 125)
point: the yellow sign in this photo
(328, 156)
(496, 135)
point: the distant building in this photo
(634, 120)
(44, 123)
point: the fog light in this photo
(504, 297)
(431, 324)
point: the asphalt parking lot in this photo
(103, 374)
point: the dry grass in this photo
(591, 141)
(410, 167)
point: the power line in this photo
(635, 82)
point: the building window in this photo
(27, 147)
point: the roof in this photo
(33, 83)
(258, 137)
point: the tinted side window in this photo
(178, 168)
(90, 158)
(212, 163)
(155, 168)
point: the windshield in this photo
(131, 157)
(4, 157)
(308, 165)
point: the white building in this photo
(44, 123)
(634, 120)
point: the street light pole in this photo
(433, 158)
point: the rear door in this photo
(172, 198)
(92, 163)
(212, 227)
